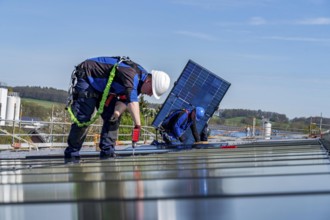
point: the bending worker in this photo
(89, 81)
(177, 122)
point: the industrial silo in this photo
(268, 130)
(13, 106)
(18, 108)
(3, 105)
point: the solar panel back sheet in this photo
(196, 86)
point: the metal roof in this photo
(263, 180)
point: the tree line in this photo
(60, 96)
(42, 93)
(272, 116)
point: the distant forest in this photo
(42, 93)
(272, 116)
(60, 96)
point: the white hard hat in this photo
(160, 83)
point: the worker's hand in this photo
(113, 119)
(136, 134)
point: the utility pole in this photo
(321, 125)
(0, 113)
(52, 126)
(254, 127)
(13, 139)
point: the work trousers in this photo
(83, 106)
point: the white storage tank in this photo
(268, 130)
(3, 105)
(18, 108)
(13, 107)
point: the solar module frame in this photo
(196, 86)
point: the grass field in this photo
(46, 104)
(234, 121)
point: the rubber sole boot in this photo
(72, 157)
(106, 154)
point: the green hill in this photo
(42, 93)
(43, 103)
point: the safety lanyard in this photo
(102, 103)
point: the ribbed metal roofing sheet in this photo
(268, 180)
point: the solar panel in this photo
(196, 86)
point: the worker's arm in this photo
(182, 119)
(134, 110)
(194, 131)
(120, 107)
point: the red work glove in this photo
(136, 133)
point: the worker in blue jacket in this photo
(178, 121)
(90, 80)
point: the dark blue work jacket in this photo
(127, 81)
(178, 122)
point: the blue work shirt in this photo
(128, 79)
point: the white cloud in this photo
(315, 21)
(309, 21)
(251, 21)
(257, 21)
(263, 57)
(318, 2)
(262, 21)
(197, 35)
(221, 4)
(305, 39)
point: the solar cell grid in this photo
(196, 86)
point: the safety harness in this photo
(102, 103)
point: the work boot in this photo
(167, 139)
(107, 153)
(71, 157)
(154, 142)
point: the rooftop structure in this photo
(260, 180)
(10, 105)
(3, 104)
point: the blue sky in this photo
(275, 53)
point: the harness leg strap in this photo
(107, 102)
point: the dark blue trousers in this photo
(83, 106)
